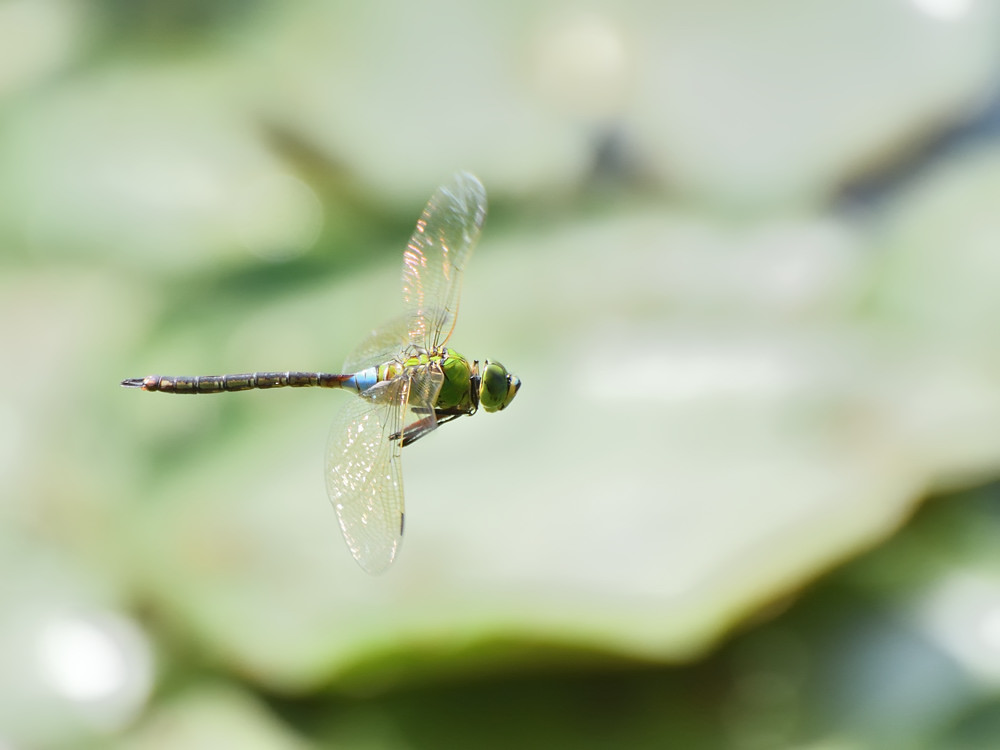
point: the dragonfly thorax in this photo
(457, 390)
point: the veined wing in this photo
(380, 346)
(364, 478)
(436, 256)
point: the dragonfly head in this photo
(497, 387)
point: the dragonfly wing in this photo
(380, 346)
(435, 258)
(363, 476)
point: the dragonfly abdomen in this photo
(248, 381)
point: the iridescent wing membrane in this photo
(363, 476)
(436, 256)
(380, 346)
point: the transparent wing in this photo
(380, 346)
(363, 474)
(436, 256)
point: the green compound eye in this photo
(497, 386)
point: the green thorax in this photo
(456, 390)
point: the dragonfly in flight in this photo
(407, 380)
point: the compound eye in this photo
(494, 386)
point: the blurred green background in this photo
(745, 258)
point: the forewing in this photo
(363, 475)
(380, 346)
(436, 256)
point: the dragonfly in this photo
(408, 382)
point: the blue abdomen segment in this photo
(362, 381)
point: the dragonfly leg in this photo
(423, 426)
